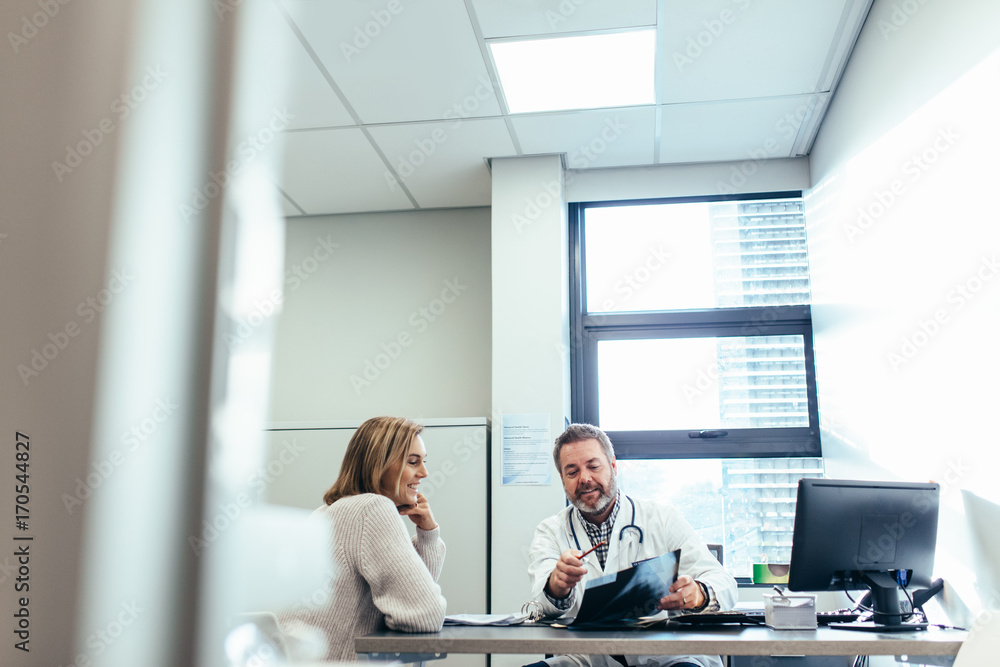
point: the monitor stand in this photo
(885, 602)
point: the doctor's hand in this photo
(685, 593)
(420, 513)
(568, 573)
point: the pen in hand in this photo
(599, 544)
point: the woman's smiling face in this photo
(413, 470)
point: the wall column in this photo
(530, 258)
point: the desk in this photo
(717, 640)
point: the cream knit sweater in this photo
(381, 578)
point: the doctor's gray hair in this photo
(579, 433)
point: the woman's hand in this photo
(420, 513)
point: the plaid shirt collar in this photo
(602, 533)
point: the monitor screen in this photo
(853, 535)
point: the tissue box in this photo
(790, 612)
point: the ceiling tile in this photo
(421, 63)
(308, 95)
(338, 171)
(737, 49)
(507, 18)
(442, 164)
(723, 131)
(590, 139)
(288, 208)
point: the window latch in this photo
(708, 434)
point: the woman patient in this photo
(381, 576)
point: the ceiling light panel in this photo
(579, 72)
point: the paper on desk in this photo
(485, 619)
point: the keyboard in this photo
(839, 616)
(755, 617)
(721, 617)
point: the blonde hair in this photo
(376, 446)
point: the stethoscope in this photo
(621, 533)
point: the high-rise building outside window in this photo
(692, 348)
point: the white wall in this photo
(530, 354)
(901, 221)
(384, 313)
(689, 180)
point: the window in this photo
(691, 327)
(692, 349)
(745, 505)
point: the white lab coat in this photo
(664, 530)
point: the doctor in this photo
(631, 529)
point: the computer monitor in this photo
(854, 535)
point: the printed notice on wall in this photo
(526, 452)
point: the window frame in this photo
(588, 329)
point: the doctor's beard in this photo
(603, 501)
